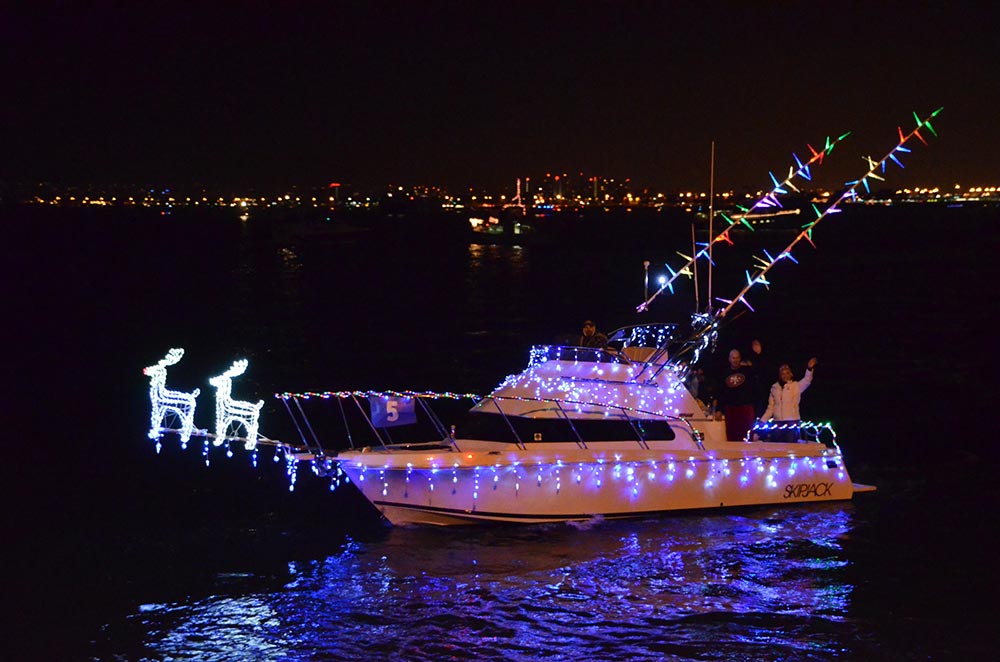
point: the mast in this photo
(694, 251)
(711, 233)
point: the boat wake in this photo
(587, 525)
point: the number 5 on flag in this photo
(388, 411)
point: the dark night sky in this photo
(469, 93)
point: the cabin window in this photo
(493, 427)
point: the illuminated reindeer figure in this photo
(229, 411)
(166, 402)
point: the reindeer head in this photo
(159, 371)
(235, 370)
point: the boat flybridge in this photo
(580, 433)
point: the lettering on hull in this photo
(803, 490)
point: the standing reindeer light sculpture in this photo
(229, 412)
(166, 402)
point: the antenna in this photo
(694, 251)
(645, 278)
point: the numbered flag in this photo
(388, 411)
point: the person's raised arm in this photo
(808, 377)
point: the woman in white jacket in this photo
(783, 402)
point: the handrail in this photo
(579, 440)
(539, 352)
(653, 361)
(638, 432)
(808, 427)
(636, 335)
(517, 437)
(694, 434)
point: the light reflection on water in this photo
(767, 584)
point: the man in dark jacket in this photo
(591, 337)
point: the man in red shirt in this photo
(736, 397)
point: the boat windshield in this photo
(653, 343)
(513, 429)
(542, 353)
(656, 336)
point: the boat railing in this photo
(543, 353)
(656, 336)
(793, 432)
(652, 360)
(645, 345)
(398, 411)
(648, 345)
(574, 413)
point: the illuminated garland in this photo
(771, 426)
(646, 335)
(165, 402)
(602, 472)
(876, 169)
(232, 412)
(706, 334)
(599, 473)
(326, 395)
(575, 398)
(582, 392)
(769, 200)
(539, 354)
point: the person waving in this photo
(783, 401)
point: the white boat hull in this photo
(578, 484)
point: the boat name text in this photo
(800, 490)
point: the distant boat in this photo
(509, 224)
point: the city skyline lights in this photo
(400, 196)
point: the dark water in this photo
(117, 553)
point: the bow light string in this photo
(767, 201)
(875, 171)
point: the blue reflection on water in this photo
(767, 584)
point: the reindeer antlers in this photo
(173, 357)
(235, 370)
(238, 368)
